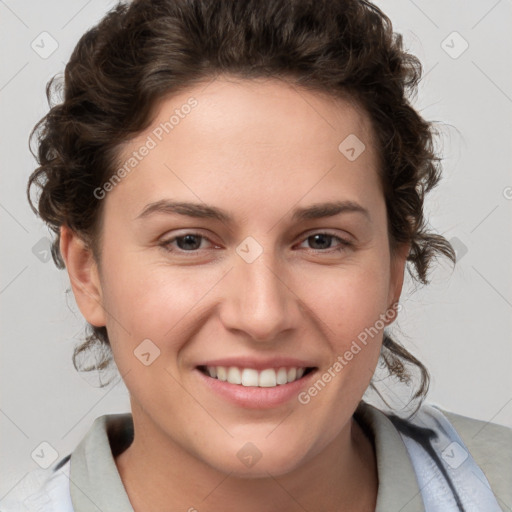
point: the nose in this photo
(259, 301)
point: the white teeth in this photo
(234, 376)
(267, 378)
(282, 377)
(249, 377)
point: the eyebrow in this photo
(204, 211)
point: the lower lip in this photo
(253, 397)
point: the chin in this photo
(257, 460)
(274, 467)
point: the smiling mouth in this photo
(249, 377)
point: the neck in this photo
(343, 476)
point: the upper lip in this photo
(259, 364)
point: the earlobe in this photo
(83, 275)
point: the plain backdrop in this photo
(459, 326)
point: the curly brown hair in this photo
(146, 49)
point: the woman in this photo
(236, 189)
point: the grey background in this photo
(459, 326)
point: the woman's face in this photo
(277, 281)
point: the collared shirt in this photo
(90, 482)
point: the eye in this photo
(188, 242)
(192, 242)
(323, 242)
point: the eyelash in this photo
(344, 244)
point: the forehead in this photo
(255, 135)
(260, 107)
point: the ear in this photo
(83, 275)
(398, 262)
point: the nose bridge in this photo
(259, 302)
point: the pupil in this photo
(324, 237)
(189, 239)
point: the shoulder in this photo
(490, 445)
(457, 460)
(41, 490)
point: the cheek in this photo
(349, 300)
(148, 300)
(350, 307)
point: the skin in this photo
(257, 149)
